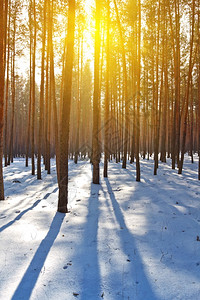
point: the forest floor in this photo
(121, 240)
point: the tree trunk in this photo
(1, 99)
(165, 93)
(199, 89)
(78, 107)
(95, 134)
(7, 94)
(125, 142)
(48, 95)
(30, 88)
(53, 93)
(156, 138)
(33, 94)
(41, 116)
(64, 138)
(138, 97)
(10, 154)
(106, 119)
(185, 108)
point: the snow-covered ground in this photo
(121, 240)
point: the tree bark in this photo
(41, 115)
(138, 97)
(156, 138)
(6, 100)
(95, 134)
(185, 108)
(10, 154)
(33, 93)
(64, 138)
(1, 99)
(30, 87)
(199, 88)
(53, 93)
(106, 119)
(125, 142)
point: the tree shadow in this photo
(136, 266)
(87, 255)
(27, 284)
(19, 216)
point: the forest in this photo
(99, 97)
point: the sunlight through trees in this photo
(99, 80)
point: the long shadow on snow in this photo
(27, 284)
(129, 248)
(175, 187)
(88, 254)
(165, 204)
(19, 216)
(24, 212)
(18, 192)
(35, 204)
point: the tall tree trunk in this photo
(175, 107)
(148, 123)
(138, 97)
(125, 88)
(106, 119)
(199, 88)
(4, 29)
(95, 134)
(144, 120)
(191, 123)
(1, 99)
(134, 80)
(53, 92)
(10, 154)
(165, 94)
(78, 106)
(64, 138)
(48, 94)
(185, 108)
(30, 87)
(47, 158)
(156, 139)
(177, 84)
(7, 94)
(41, 116)
(33, 93)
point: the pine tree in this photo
(64, 138)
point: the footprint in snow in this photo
(16, 181)
(75, 294)
(118, 189)
(67, 265)
(2, 217)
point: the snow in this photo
(121, 240)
